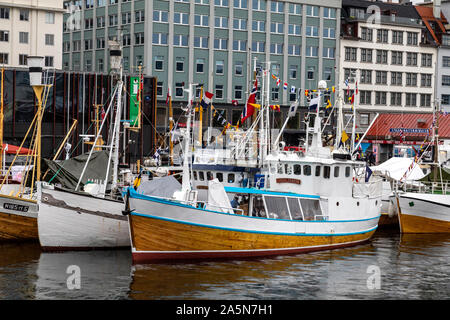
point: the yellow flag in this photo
(344, 136)
(254, 105)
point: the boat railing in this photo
(371, 189)
(426, 187)
(241, 211)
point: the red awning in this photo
(10, 149)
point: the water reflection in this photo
(411, 267)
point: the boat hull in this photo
(424, 213)
(18, 219)
(72, 221)
(169, 232)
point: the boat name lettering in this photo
(289, 180)
(16, 207)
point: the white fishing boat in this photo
(75, 220)
(426, 209)
(305, 203)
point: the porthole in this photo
(337, 204)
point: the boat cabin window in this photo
(348, 171)
(273, 168)
(201, 176)
(231, 178)
(336, 172)
(326, 172)
(219, 176)
(209, 175)
(287, 169)
(311, 209)
(195, 175)
(307, 170)
(280, 168)
(318, 171)
(294, 207)
(258, 207)
(277, 208)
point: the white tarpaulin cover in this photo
(160, 187)
(217, 197)
(396, 168)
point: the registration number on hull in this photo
(15, 207)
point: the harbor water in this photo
(391, 266)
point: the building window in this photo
(258, 46)
(293, 50)
(411, 79)
(427, 59)
(275, 92)
(100, 43)
(4, 13)
(293, 71)
(158, 38)
(396, 78)
(219, 91)
(328, 53)
(221, 22)
(88, 44)
(446, 61)
(366, 34)
(411, 99)
(139, 16)
(200, 63)
(50, 17)
(382, 56)
(365, 97)
(425, 80)
(312, 51)
(160, 16)
(4, 36)
(277, 27)
(24, 15)
(380, 98)
(381, 77)
(180, 40)
(310, 73)
(238, 92)
(100, 65)
(445, 99)
(240, 4)
(221, 44)
(327, 73)
(221, 3)
(23, 37)
(366, 55)
(159, 63)
(238, 68)
(397, 37)
(181, 18)
(3, 58)
(329, 33)
(350, 74)
(312, 11)
(201, 20)
(295, 8)
(23, 59)
(48, 61)
(350, 54)
(239, 45)
(259, 5)
(425, 100)
(276, 48)
(329, 13)
(240, 24)
(179, 64)
(411, 59)
(382, 35)
(113, 20)
(126, 17)
(412, 38)
(364, 119)
(366, 76)
(76, 46)
(277, 7)
(49, 39)
(179, 92)
(396, 98)
(220, 67)
(101, 22)
(397, 57)
(312, 31)
(201, 42)
(258, 25)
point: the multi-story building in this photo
(442, 33)
(213, 43)
(386, 51)
(31, 27)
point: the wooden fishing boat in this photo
(305, 203)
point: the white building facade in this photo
(29, 28)
(394, 70)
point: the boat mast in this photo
(186, 182)
(1, 124)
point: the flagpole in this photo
(354, 113)
(200, 110)
(171, 130)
